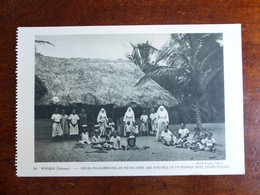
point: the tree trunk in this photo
(198, 115)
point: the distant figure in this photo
(102, 120)
(83, 120)
(153, 120)
(144, 123)
(74, 119)
(56, 127)
(64, 123)
(162, 118)
(129, 117)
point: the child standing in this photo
(73, 119)
(153, 120)
(144, 123)
(128, 128)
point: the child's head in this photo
(182, 125)
(197, 130)
(73, 111)
(56, 110)
(152, 110)
(177, 135)
(144, 111)
(128, 123)
(204, 135)
(63, 111)
(82, 111)
(165, 128)
(209, 135)
(84, 128)
(115, 134)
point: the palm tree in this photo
(185, 66)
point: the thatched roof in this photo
(97, 82)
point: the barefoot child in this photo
(115, 141)
(210, 143)
(144, 123)
(166, 136)
(184, 132)
(177, 140)
(96, 140)
(84, 136)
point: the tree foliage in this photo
(188, 66)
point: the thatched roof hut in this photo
(97, 82)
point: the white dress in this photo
(56, 127)
(162, 117)
(153, 117)
(129, 117)
(102, 120)
(74, 128)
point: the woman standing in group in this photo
(83, 121)
(102, 120)
(64, 123)
(162, 119)
(74, 119)
(129, 119)
(153, 120)
(56, 128)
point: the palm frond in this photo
(44, 42)
(207, 77)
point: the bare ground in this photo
(64, 151)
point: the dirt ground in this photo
(64, 151)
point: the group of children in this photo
(199, 142)
(105, 135)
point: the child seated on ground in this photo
(184, 132)
(166, 136)
(210, 143)
(115, 141)
(84, 136)
(177, 140)
(97, 142)
(196, 139)
(131, 141)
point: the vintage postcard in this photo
(130, 100)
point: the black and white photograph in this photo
(129, 97)
(130, 101)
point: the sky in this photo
(105, 46)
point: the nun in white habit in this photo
(102, 120)
(162, 119)
(129, 119)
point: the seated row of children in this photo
(108, 140)
(200, 141)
